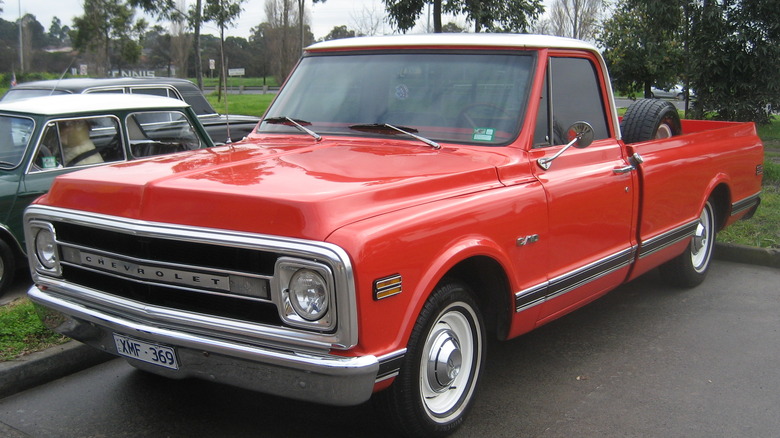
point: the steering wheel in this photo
(487, 109)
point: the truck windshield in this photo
(15, 133)
(477, 98)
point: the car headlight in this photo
(303, 291)
(308, 294)
(45, 247)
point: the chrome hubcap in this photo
(699, 238)
(444, 361)
(701, 243)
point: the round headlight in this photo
(46, 249)
(309, 294)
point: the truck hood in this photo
(280, 187)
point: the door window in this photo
(79, 142)
(576, 96)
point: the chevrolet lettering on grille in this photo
(148, 272)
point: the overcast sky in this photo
(324, 16)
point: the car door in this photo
(590, 191)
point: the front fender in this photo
(423, 244)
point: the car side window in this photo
(576, 96)
(160, 132)
(79, 142)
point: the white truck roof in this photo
(455, 40)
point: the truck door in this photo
(590, 191)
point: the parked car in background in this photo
(676, 92)
(220, 127)
(45, 137)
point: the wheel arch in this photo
(488, 280)
(16, 246)
(721, 200)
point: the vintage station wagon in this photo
(47, 136)
(220, 127)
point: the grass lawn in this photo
(763, 230)
(247, 104)
(22, 332)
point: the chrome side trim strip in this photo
(540, 293)
(667, 239)
(390, 364)
(745, 204)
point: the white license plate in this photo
(146, 351)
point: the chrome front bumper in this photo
(327, 379)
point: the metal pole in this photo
(21, 47)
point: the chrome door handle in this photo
(622, 170)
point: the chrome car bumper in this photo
(327, 379)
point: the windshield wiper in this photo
(7, 164)
(284, 120)
(402, 129)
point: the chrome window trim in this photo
(344, 337)
(31, 169)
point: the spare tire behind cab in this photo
(649, 119)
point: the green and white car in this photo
(43, 137)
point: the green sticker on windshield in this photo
(483, 134)
(49, 162)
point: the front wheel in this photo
(7, 267)
(690, 268)
(444, 360)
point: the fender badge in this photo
(523, 241)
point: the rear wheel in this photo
(444, 360)
(7, 267)
(690, 268)
(650, 119)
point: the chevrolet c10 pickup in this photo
(403, 199)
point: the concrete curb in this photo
(47, 365)
(53, 363)
(747, 254)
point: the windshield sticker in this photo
(401, 92)
(49, 162)
(483, 134)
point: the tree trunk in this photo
(198, 60)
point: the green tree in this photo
(643, 45)
(339, 32)
(488, 15)
(223, 13)
(58, 34)
(735, 59)
(109, 29)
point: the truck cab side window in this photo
(576, 96)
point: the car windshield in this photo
(459, 97)
(15, 133)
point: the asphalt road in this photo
(644, 361)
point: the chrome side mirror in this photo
(580, 135)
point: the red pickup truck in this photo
(403, 199)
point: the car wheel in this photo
(690, 268)
(445, 357)
(650, 119)
(7, 267)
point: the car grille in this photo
(167, 265)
